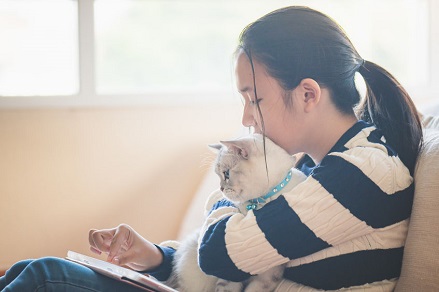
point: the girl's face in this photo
(283, 125)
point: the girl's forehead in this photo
(244, 74)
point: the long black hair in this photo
(294, 43)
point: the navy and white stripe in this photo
(344, 226)
(347, 270)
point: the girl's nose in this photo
(248, 119)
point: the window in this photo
(143, 51)
(39, 51)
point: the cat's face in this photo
(242, 167)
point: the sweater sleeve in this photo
(346, 197)
(163, 271)
(218, 211)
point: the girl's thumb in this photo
(124, 258)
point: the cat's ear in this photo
(216, 147)
(238, 146)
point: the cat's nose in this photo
(222, 189)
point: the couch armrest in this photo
(430, 122)
(420, 267)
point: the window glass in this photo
(39, 47)
(174, 46)
(170, 46)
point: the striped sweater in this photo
(343, 227)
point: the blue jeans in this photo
(56, 274)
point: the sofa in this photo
(420, 269)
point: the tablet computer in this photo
(143, 281)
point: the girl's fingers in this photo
(100, 240)
(119, 242)
(94, 250)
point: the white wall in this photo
(64, 171)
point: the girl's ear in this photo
(238, 147)
(310, 92)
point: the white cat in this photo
(251, 175)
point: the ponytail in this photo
(390, 108)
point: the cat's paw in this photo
(228, 286)
(259, 289)
(257, 286)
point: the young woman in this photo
(345, 226)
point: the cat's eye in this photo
(226, 174)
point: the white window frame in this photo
(87, 96)
(432, 92)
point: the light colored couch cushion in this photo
(431, 122)
(420, 270)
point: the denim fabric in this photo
(56, 274)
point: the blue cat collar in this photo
(253, 203)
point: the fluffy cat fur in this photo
(246, 172)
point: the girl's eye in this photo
(226, 174)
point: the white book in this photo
(143, 281)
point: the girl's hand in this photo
(125, 246)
